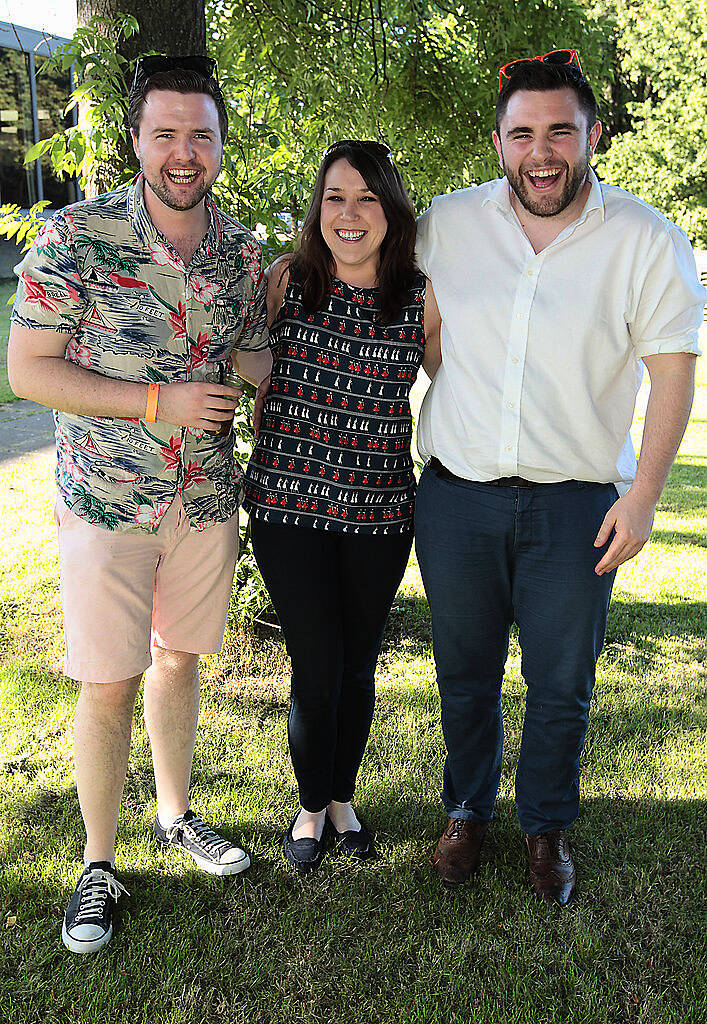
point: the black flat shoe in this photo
(357, 844)
(303, 854)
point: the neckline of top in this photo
(354, 287)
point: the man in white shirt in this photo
(552, 289)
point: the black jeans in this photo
(332, 593)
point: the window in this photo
(18, 183)
(53, 91)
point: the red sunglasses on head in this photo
(553, 57)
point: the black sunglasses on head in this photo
(145, 67)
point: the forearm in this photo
(60, 384)
(630, 519)
(38, 370)
(667, 414)
(253, 366)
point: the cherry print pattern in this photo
(334, 445)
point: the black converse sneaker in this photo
(211, 851)
(88, 921)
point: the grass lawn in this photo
(379, 942)
(7, 288)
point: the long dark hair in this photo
(313, 263)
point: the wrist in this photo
(644, 495)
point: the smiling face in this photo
(353, 224)
(179, 146)
(545, 145)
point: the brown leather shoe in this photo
(457, 853)
(551, 869)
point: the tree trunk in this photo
(163, 30)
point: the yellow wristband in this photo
(153, 392)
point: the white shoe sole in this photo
(85, 945)
(220, 869)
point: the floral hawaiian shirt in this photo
(101, 272)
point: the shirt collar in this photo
(500, 195)
(146, 230)
(137, 211)
(595, 199)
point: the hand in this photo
(631, 522)
(259, 404)
(198, 404)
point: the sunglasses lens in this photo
(203, 65)
(145, 67)
(558, 57)
(511, 68)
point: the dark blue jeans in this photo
(491, 556)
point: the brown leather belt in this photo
(505, 481)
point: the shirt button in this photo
(521, 316)
(510, 405)
(509, 447)
(530, 271)
(515, 359)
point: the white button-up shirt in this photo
(541, 352)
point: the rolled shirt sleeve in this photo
(50, 293)
(668, 304)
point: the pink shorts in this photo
(122, 592)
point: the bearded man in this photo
(128, 311)
(554, 290)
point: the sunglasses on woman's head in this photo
(145, 67)
(561, 57)
(370, 146)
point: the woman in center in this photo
(330, 486)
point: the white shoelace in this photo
(201, 834)
(95, 888)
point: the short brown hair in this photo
(175, 81)
(536, 76)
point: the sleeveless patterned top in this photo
(334, 446)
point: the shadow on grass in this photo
(686, 489)
(409, 628)
(637, 623)
(642, 624)
(267, 940)
(630, 830)
(397, 780)
(679, 537)
(656, 722)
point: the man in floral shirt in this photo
(128, 309)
